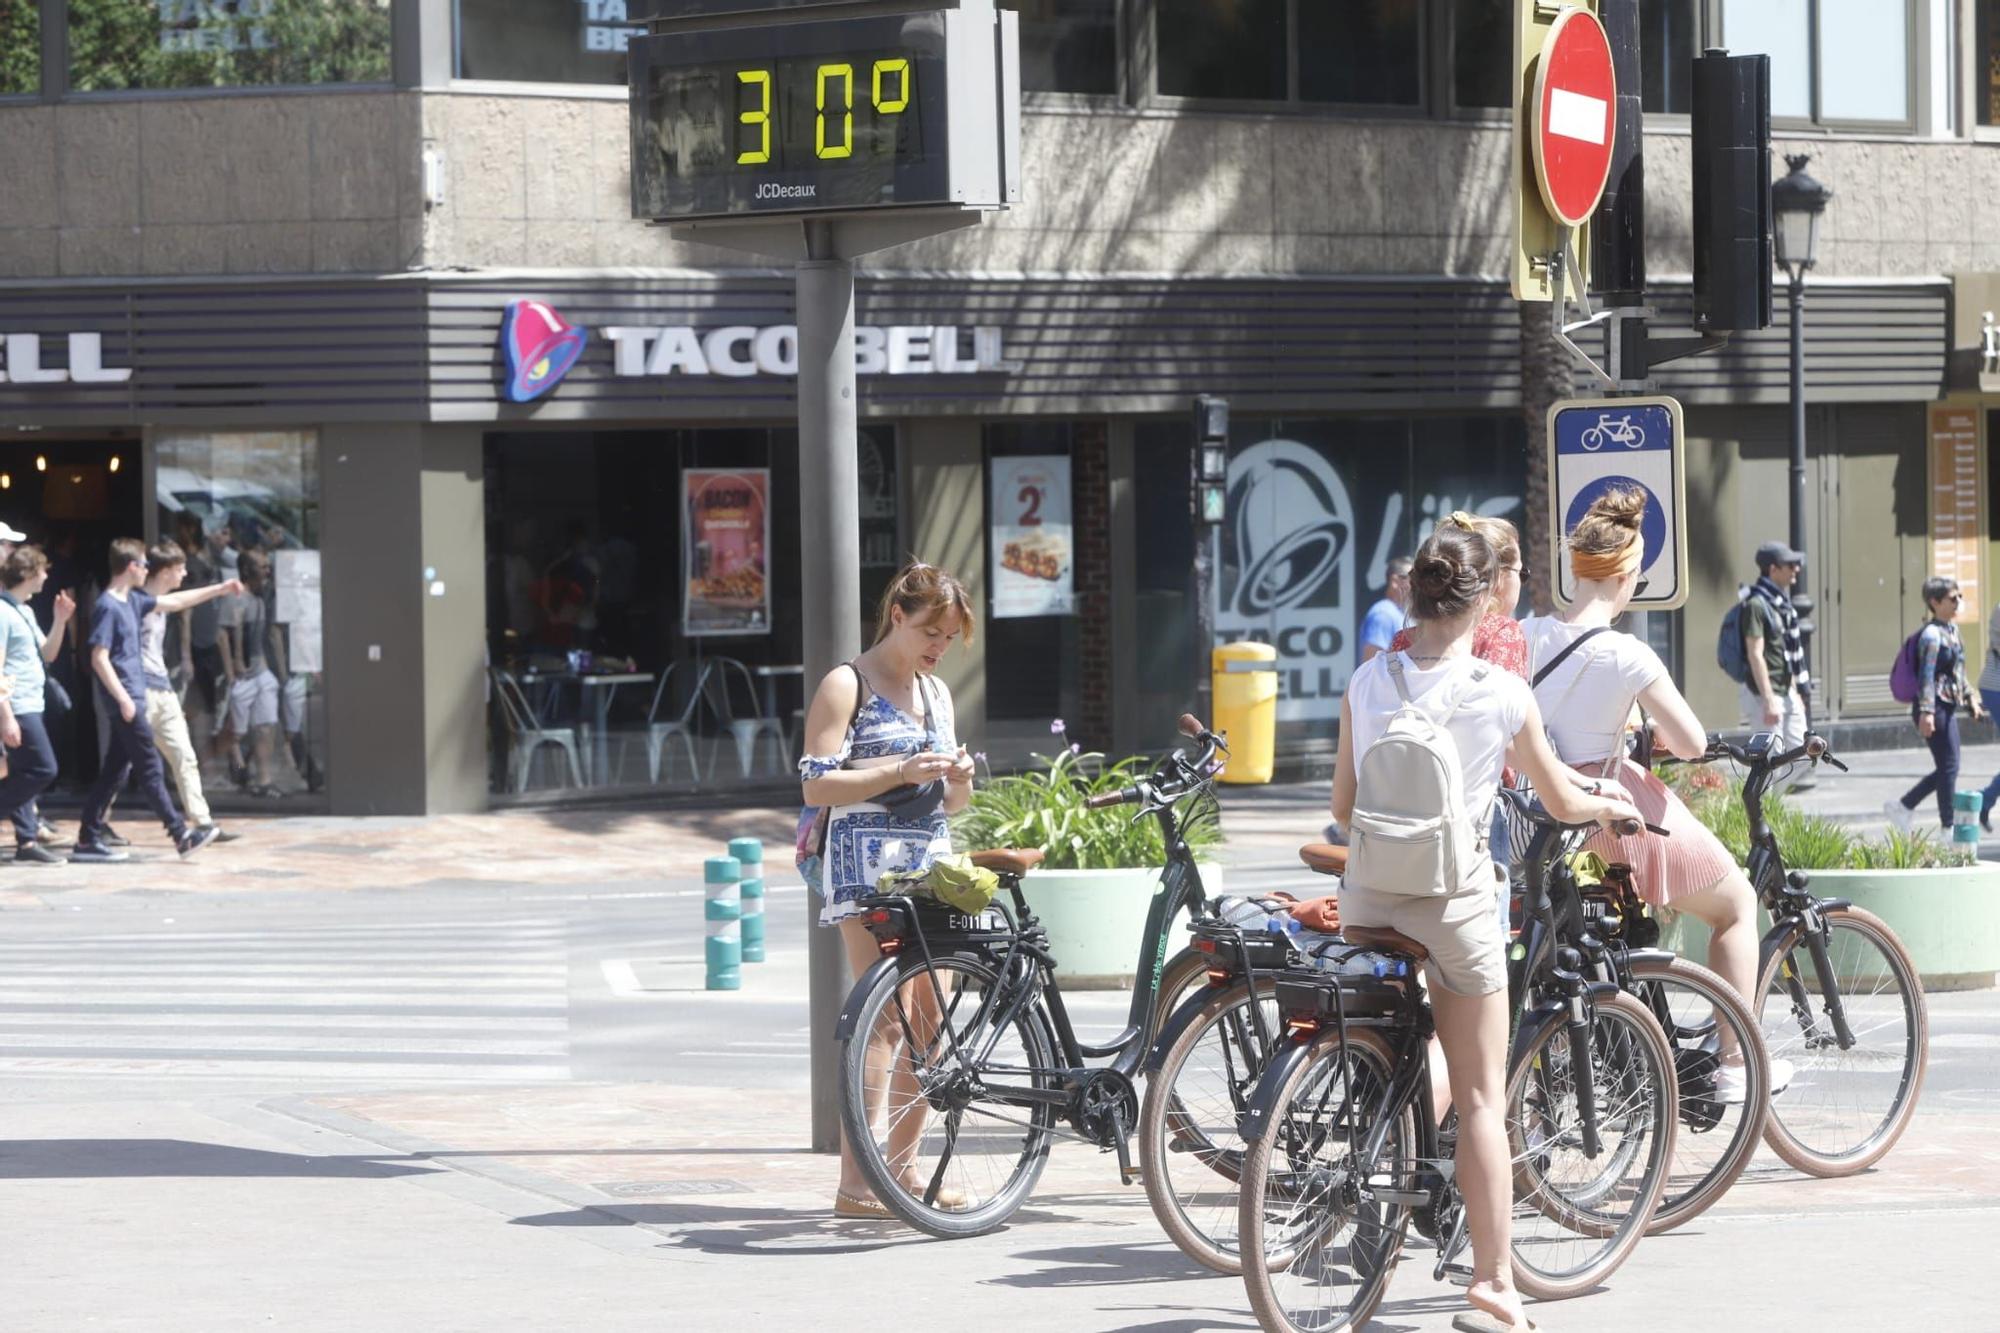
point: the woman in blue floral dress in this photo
(882, 758)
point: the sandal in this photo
(864, 1210)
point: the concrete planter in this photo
(1948, 918)
(1095, 919)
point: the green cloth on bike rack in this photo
(952, 879)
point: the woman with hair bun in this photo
(1589, 677)
(1491, 719)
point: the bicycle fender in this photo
(1650, 955)
(850, 1012)
(1767, 948)
(1541, 1016)
(1257, 1114)
(1178, 1022)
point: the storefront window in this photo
(1364, 54)
(1234, 49)
(546, 41)
(124, 44)
(1068, 46)
(1831, 60)
(249, 666)
(1986, 62)
(1030, 621)
(1479, 31)
(642, 609)
(1316, 510)
(20, 47)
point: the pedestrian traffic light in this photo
(1537, 230)
(1211, 458)
(1732, 191)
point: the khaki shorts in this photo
(1462, 932)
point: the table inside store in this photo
(597, 689)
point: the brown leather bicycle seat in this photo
(1324, 857)
(1008, 860)
(1382, 937)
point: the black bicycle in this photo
(1721, 1069)
(1838, 996)
(1347, 1151)
(959, 1062)
(1205, 1063)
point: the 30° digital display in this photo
(812, 116)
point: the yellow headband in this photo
(1606, 564)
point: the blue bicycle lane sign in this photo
(1598, 443)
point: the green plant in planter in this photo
(1810, 842)
(1916, 850)
(1045, 808)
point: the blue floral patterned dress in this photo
(865, 841)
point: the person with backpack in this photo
(882, 770)
(1424, 733)
(1587, 678)
(1773, 651)
(1938, 658)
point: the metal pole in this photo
(1797, 536)
(1202, 579)
(830, 589)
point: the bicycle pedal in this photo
(1402, 1198)
(1459, 1275)
(1128, 1175)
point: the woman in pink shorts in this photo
(1589, 677)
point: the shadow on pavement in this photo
(1106, 1266)
(77, 1159)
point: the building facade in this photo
(277, 286)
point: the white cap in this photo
(8, 533)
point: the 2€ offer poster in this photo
(1031, 541)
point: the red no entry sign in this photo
(1575, 98)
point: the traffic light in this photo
(1732, 191)
(1537, 232)
(1211, 458)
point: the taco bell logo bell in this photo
(540, 347)
(1288, 571)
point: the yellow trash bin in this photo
(1245, 681)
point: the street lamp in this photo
(1798, 201)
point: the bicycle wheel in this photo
(1702, 1017)
(1844, 1108)
(1577, 1217)
(929, 1094)
(1190, 1152)
(1316, 1255)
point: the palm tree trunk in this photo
(1545, 378)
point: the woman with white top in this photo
(1491, 717)
(1594, 676)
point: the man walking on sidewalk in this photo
(166, 567)
(1772, 697)
(116, 663)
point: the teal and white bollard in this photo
(1965, 823)
(749, 852)
(725, 923)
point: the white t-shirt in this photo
(1587, 700)
(1490, 713)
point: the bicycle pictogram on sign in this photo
(1622, 431)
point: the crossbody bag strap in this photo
(1564, 655)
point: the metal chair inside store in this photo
(660, 730)
(527, 736)
(747, 725)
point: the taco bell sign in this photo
(23, 362)
(743, 350)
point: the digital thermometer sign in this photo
(838, 116)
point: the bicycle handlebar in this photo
(1535, 812)
(1105, 799)
(1816, 748)
(1175, 775)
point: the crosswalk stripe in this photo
(348, 1072)
(380, 1044)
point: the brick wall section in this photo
(1090, 466)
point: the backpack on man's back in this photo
(1410, 833)
(1732, 654)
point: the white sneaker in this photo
(1730, 1082)
(1899, 814)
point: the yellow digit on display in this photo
(761, 117)
(901, 69)
(845, 73)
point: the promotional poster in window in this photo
(727, 553)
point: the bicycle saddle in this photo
(1008, 860)
(1324, 857)
(1382, 937)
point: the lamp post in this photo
(1797, 203)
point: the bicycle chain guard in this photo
(1106, 1108)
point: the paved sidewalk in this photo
(588, 847)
